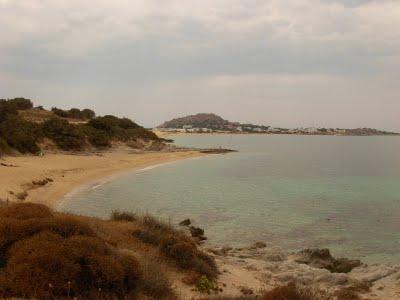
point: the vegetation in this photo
(20, 131)
(123, 216)
(65, 135)
(205, 285)
(175, 245)
(90, 268)
(74, 113)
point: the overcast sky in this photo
(330, 63)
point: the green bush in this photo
(121, 129)
(7, 110)
(4, 147)
(21, 103)
(20, 134)
(67, 136)
(74, 113)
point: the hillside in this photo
(208, 122)
(202, 120)
(28, 129)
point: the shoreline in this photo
(92, 185)
(168, 134)
(244, 270)
(69, 172)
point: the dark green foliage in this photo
(74, 113)
(21, 103)
(20, 134)
(120, 128)
(97, 138)
(7, 110)
(59, 112)
(64, 134)
(4, 147)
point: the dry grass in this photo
(123, 216)
(154, 282)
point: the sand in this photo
(70, 171)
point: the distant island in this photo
(209, 123)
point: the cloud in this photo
(94, 50)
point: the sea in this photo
(289, 191)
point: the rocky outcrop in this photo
(263, 268)
(185, 222)
(322, 259)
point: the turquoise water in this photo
(291, 191)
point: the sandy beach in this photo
(20, 176)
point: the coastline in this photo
(68, 172)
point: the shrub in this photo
(154, 282)
(59, 112)
(45, 256)
(25, 211)
(64, 134)
(74, 113)
(21, 103)
(175, 245)
(86, 262)
(288, 292)
(7, 110)
(123, 216)
(121, 128)
(204, 285)
(20, 134)
(97, 138)
(4, 147)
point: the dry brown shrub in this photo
(187, 256)
(12, 230)
(347, 294)
(154, 282)
(60, 257)
(123, 216)
(24, 211)
(288, 292)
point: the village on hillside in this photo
(211, 123)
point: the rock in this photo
(322, 259)
(196, 232)
(185, 222)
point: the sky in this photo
(288, 63)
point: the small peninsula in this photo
(212, 123)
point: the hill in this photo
(28, 129)
(202, 120)
(210, 122)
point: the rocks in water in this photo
(322, 259)
(197, 232)
(185, 222)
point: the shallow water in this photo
(291, 191)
